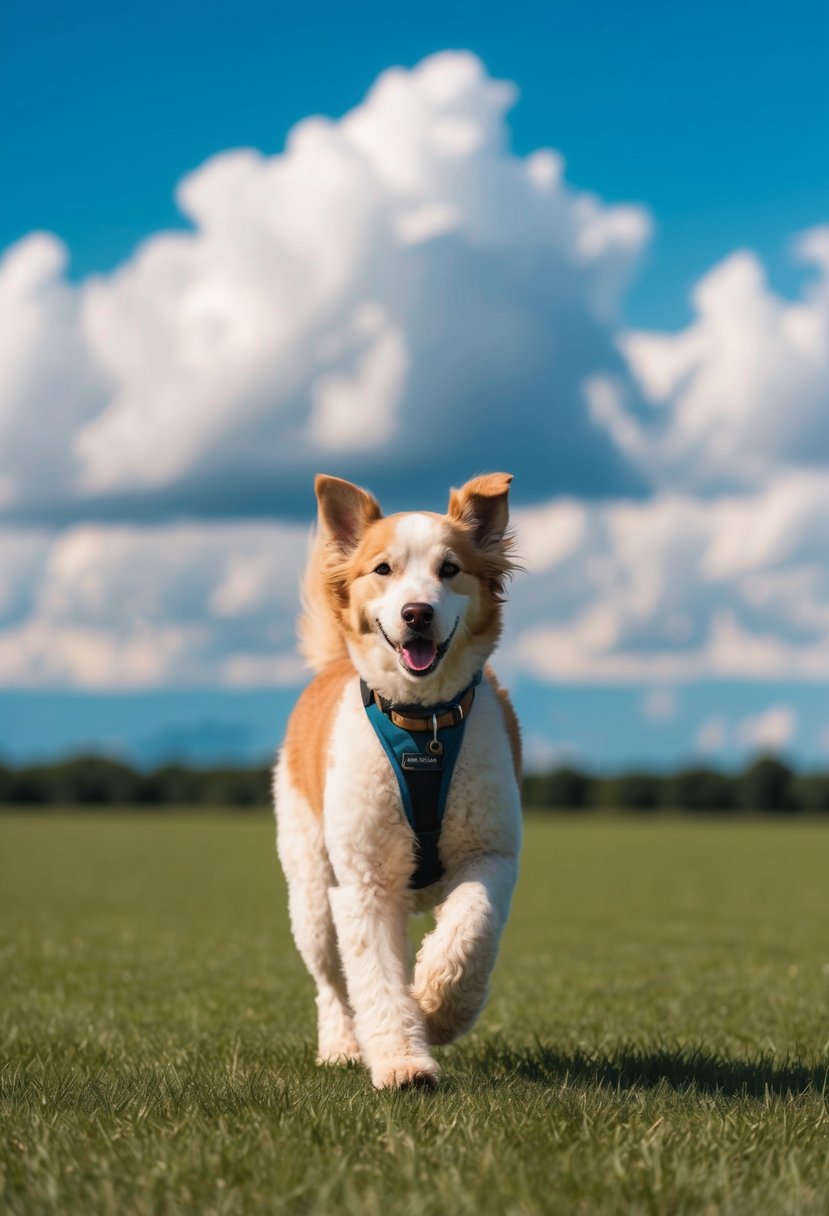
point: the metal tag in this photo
(422, 762)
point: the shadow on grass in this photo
(628, 1068)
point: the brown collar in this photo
(412, 720)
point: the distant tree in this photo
(150, 789)
(562, 789)
(812, 791)
(178, 785)
(30, 786)
(568, 787)
(237, 787)
(635, 791)
(767, 785)
(532, 787)
(700, 789)
(90, 781)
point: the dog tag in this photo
(422, 762)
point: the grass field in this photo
(657, 1040)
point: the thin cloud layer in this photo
(394, 290)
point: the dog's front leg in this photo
(371, 930)
(455, 961)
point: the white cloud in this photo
(742, 393)
(712, 734)
(50, 384)
(676, 588)
(399, 298)
(542, 753)
(359, 408)
(770, 730)
(660, 704)
(395, 287)
(617, 592)
(121, 607)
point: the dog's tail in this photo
(320, 637)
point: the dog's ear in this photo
(345, 511)
(482, 506)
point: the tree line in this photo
(766, 784)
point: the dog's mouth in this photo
(419, 655)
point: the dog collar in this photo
(425, 717)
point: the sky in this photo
(589, 245)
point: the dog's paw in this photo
(345, 1052)
(419, 1073)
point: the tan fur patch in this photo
(309, 731)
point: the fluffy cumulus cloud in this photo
(395, 287)
(398, 291)
(723, 571)
(742, 393)
(50, 387)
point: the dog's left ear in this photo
(482, 505)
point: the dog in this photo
(397, 785)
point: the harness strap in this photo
(422, 746)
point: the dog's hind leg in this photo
(308, 871)
(455, 960)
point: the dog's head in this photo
(418, 595)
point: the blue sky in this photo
(605, 729)
(667, 394)
(713, 114)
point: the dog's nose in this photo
(418, 616)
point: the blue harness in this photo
(422, 759)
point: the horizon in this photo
(585, 769)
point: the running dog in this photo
(397, 786)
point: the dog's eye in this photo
(383, 568)
(448, 570)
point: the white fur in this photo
(348, 875)
(418, 550)
(416, 553)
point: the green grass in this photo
(657, 1040)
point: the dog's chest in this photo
(364, 814)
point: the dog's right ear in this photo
(345, 511)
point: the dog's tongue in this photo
(420, 654)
